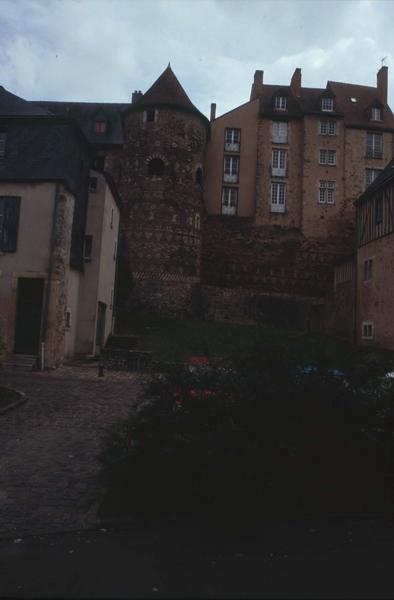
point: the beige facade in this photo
(45, 304)
(98, 283)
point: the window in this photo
(229, 201)
(378, 210)
(232, 139)
(198, 178)
(367, 330)
(92, 184)
(87, 248)
(150, 115)
(279, 132)
(326, 192)
(328, 157)
(3, 137)
(327, 104)
(328, 127)
(280, 103)
(231, 168)
(374, 145)
(100, 126)
(197, 221)
(368, 262)
(68, 319)
(279, 161)
(156, 167)
(9, 220)
(371, 175)
(278, 197)
(376, 114)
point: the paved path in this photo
(49, 446)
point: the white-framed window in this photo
(279, 132)
(368, 269)
(231, 169)
(371, 175)
(150, 115)
(3, 138)
(328, 127)
(326, 192)
(328, 157)
(279, 162)
(278, 197)
(327, 104)
(232, 139)
(229, 200)
(280, 102)
(376, 114)
(374, 145)
(367, 330)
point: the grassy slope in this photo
(177, 340)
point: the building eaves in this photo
(380, 182)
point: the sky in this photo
(103, 50)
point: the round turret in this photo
(161, 181)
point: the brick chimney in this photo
(295, 83)
(136, 96)
(257, 86)
(382, 79)
(213, 111)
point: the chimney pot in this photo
(136, 96)
(213, 111)
(257, 86)
(295, 83)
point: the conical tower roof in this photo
(167, 91)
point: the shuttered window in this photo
(9, 219)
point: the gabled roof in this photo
(385, 177)
(14, 106)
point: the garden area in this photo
(243, 423)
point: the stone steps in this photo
(23, 362)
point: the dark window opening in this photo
(100, 163)
(9, 220)
(199, 176)
(100, 126)
(156, 167)
(87, 248)
(92, 184)
(150, 115)
(378, 211)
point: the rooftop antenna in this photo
(382, 60)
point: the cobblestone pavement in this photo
(49, 445)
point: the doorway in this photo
(30, 292)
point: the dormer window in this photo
(376, 114)
(100, 126)
(327, 104)
(280, 103)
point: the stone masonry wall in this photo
(160, 225)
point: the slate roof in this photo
(167, 91)
(14, 106)
(355, 113)
(86, 113)
(385, 177)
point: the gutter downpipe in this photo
(51, 261)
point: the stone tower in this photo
(160, 177)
